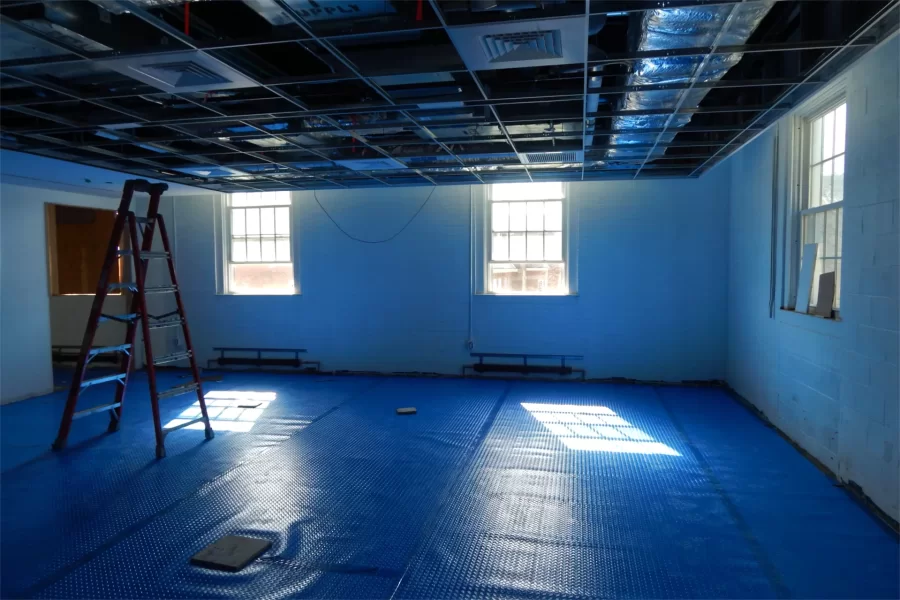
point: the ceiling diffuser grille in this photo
(570, 156)
(522, 45)
(183, 74)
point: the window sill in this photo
(259, 294)
(815, 323)
(490, 294)
(791, 311)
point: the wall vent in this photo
(522, 45)
(570, 156)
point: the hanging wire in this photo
(356, 239)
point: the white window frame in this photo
(803, 120)
(487, 250)
(224, 249)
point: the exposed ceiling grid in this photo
(237, 95)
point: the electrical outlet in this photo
(470, 344)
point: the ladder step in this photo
(116, 377)
(144, 219)
(119, 318)
(163, 289)
(182, 389)
(164, 324)
(145, 254)
(125, 285)
(105, 349)
(171, 358)
(88, 411)
(197, 420)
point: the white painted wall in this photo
(32, 320)
(650, 303)
(832, 386)
(24, 298)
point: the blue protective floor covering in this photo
(493, 490)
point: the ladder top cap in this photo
(142, 185)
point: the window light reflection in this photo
(229, 410)
(595, 428)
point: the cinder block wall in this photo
(832, 386)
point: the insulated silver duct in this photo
(665, 29)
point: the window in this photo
(259, 244)
(527, 242)
(822, 194)
(77, 240)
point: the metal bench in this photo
(259, 360)
(525, 368)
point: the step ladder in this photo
(140, 234)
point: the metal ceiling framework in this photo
(303, 94)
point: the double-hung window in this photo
(259, 248)
(822, 193)
(527, 243)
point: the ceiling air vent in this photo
(516, 44)
(522, 45)
(570, 156)
(187, 71)
(184, 74)
(371, 164)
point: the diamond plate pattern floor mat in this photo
(493, 490)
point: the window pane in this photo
(809, 229)
(283, 220)
(517, 216)
(527, 191)
(544, 278)
(820, 231)
(827, 169)
(815, 186)
(553, 216)
(500, 246)
(837, 284)
(237, 221)
(535, 246)
(534, 278)
(815, 142)
(840, 232)
(553, 246)
(283, 249)
(840, 128)
(500, 216)
(506, 278)
(238, 250)
(247, 279)
(252, 221)
(516, 246)
(268, 250)
(837, 193)
(535, 216)
(261, 199)
(828, 136)
(830, 234)
(267, 221)
(253, 251)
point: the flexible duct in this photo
(665, 29)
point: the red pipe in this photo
(419, 10)
(187, 18)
